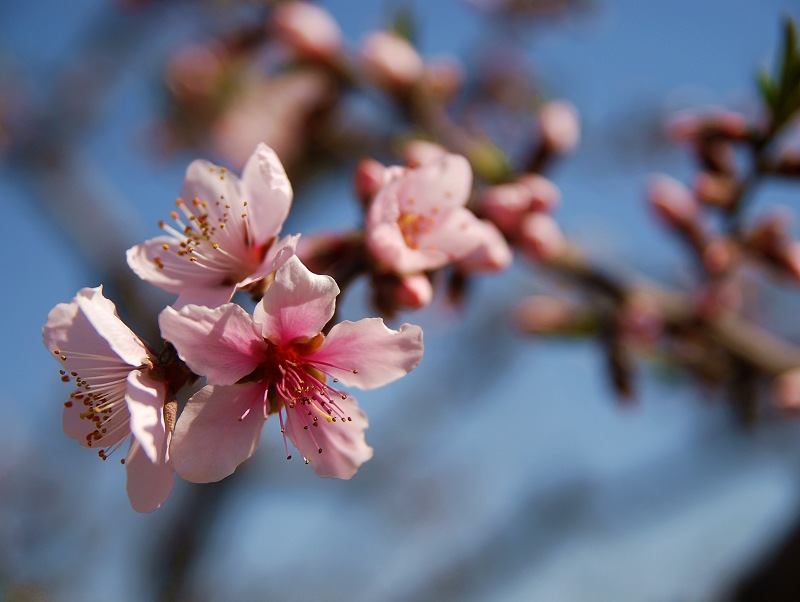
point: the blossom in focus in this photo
(418, 221)
(116, 397)
(226, 234)
(278, 361)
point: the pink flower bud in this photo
(368, 178)
(420, 152)
(194, 72)
(541, 314)
(689, 125)
(541, 236)
(791, 259)
(413, 291)
(714, 189)
(493, 254)
(672, 202)
(444, 77)
(786, 391)
(544, 195)
(307, 29)
(505, 205)
(560, 127)
(390, 60)
(717, 256)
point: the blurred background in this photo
(504, 467)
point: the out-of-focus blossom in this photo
(307, 29)
(390, 60)
(715, 189)
(195, 72)
(492, 255)
(718, 255)
(368, 178)
(546, 315)
(786, 392)
(418, 220)
(278, 361)
(444, 77)
(506, 204)
(690, 125)
(541, 236)
(418, 152)
(274, 110)
(228, 238)
(393, 291)
(769, 240)
(672, 202)
(116, 396)
(560, 127)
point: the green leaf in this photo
(769, 90)
(403, 23)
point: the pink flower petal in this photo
(149, 484)
(89, 328)
(145, 398)
(492, 254)
(178, 275)
(211, 439)
(274, 259)
(221, 343)
(297, 305)
(378, 354)
(268, 194)
(344, 448)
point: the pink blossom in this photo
(560, 126)
(390, 60)
(116, 397)
(227, 240)
(672, 202)
(308, 29)
(418, 220)
(541, 236)
(278, 361)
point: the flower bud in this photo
(541, 236)
(444, 77)
(418, 152)
(390, 60)
(542, 314)
(368, 179)
(544, 195)
(690, 125)
(672, 202)
(786, 391)
(505, 205)
(717, 256)
(413, 291)
(715, 189)
(310, 31)
(560, 127)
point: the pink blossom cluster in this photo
(285, 358)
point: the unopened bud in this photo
(560, 127)
(542, 314)
(195, 71)
(544, 195)
(541, 236)
(718, 255)
(691, 125)
(419, 152)
(505, 205)
(786, 391)
(390, 60)
(413, 291)
(672, 202)
(368, 178)
(715, 189)
(307, 29)
(444, 77)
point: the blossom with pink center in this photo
(226, 232)
(116, 397)
(278, 361)
(418, 221)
